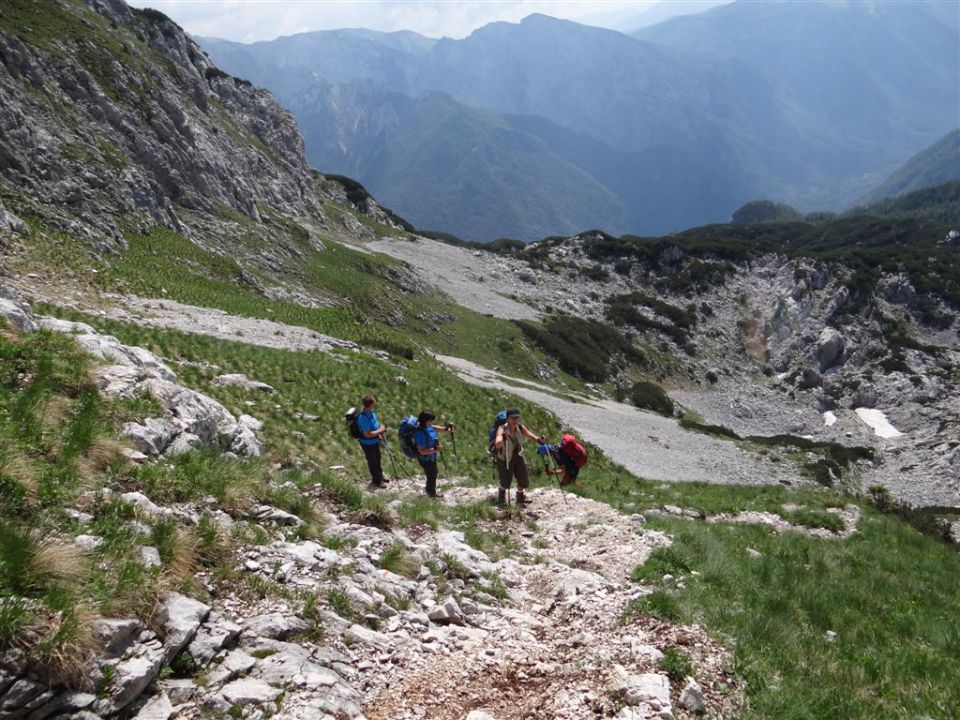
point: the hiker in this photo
(428, 447)
(570, 456)
(370, 433)
(508, 451)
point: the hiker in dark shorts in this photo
(508, 451)
(567, 469)
(428, 448)
(371, 431)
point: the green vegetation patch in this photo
(888, 594)
(584, 348)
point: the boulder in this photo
(17, 315)
(650, 689)
(809, 379)
(131, 677)
(151, 437)
(275, 626)
(180, 618)
(11, 223)
(158, 707)
(115, 635)
(691, 698)
(212, 637)
(830, 348)
(240, 380)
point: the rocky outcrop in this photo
(191, 419)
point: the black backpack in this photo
(350, 418)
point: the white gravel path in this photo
(646, 444)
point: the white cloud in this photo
(250, 20)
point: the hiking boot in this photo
(501, 496)
(435, 496)
(522, 499)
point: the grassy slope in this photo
(888, 592)
(164, 264)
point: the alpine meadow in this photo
(480, 361)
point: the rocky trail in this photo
(535, 631)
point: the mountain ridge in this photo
(732, 129)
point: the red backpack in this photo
(573, 450)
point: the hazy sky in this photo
(250, 20)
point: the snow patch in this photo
(829, 418)
(878, 421)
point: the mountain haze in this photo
(679, 124)
(937, 164)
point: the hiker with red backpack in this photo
(508, 453)
(569, 456)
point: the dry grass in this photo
(55, 410)
(65, 644)
(19, 468)
(185, 556)
(105, 452)
(58, 563)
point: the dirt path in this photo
(646, 444)
(559, 649)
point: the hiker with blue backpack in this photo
(421, 441)
(507, 450)
(368, 431)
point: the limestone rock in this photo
(830, 348)
(650, 689)
(17, 315)
(249, 691)
(212, 637)
(180, 617)
(238, 379)
(448, 613)
(158, 707)
(275, 626)
(691, 697)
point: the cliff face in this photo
(112, 120)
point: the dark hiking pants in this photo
(517, 468)
(372, 453)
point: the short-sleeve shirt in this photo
(368, 421)
(426, 437)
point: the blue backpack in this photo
(408, 426)
(501, 419)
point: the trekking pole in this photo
(446, 470)
(393, 463)
(546, 468)
(453, 444)
(557, 475)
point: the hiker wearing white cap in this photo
(508, 451)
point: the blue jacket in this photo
(368, 421)
(426, 438)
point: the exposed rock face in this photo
(162, 132)
(122, 123)
(191, 419)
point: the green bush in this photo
(584, 348)
(650, 396)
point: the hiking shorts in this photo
(517, 468)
